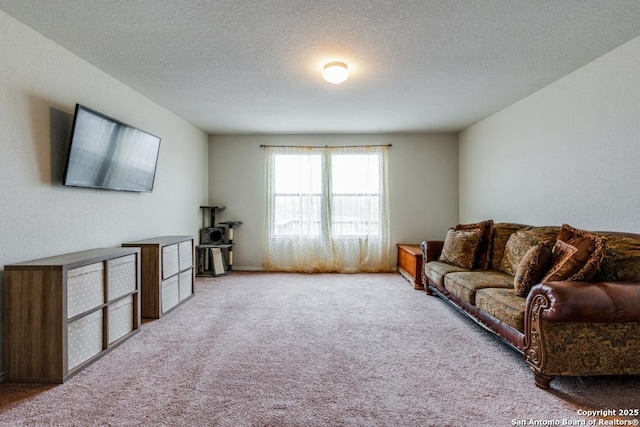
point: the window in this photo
(355, 195)
(298, 195)
(326, 209)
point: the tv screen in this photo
(106, 153)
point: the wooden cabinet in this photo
(167, 273)
(62, 313)
(410, 264)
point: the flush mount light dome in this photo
(335, 72)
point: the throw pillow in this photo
(532, 267)
(460, 247)
(621, 260)
(521, 241)
(501, 233)
(486, 229)
(577, 255)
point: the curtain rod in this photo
(323, 146)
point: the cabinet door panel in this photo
(170, 293)
(186, 284)
(185, 252)
(170, 264)
(120, 318)
(122, 276)
(84, 338)
(85, 288)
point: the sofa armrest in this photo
(431, 250)
(582, 328)
(595, 302)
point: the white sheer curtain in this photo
(327, 209)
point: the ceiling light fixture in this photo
(335, 72)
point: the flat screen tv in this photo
(109, 154)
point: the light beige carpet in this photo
(272, 349)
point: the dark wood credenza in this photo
(167, 273)
(64, 312)
(410, 264)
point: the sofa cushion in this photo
(465, 284)
(577, 255)
(504, 305)
(533, 266)
(501, 232)
(621, 260)
(486, 230)
(436, 270)
(460, 247)
(521, 241)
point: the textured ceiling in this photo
(232, 66)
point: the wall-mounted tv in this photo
(109, 154)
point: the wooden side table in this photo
(410, 264)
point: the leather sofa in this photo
(567, 314)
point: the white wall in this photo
(566, 154)
(423, 181)
(40, 83)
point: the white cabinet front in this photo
(84, 338)
(170, 293)
(120, 318)
(185, 254)
(170, 264)
(122, 276)
(186, 284)
(85, 288)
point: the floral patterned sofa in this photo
(567, 299)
